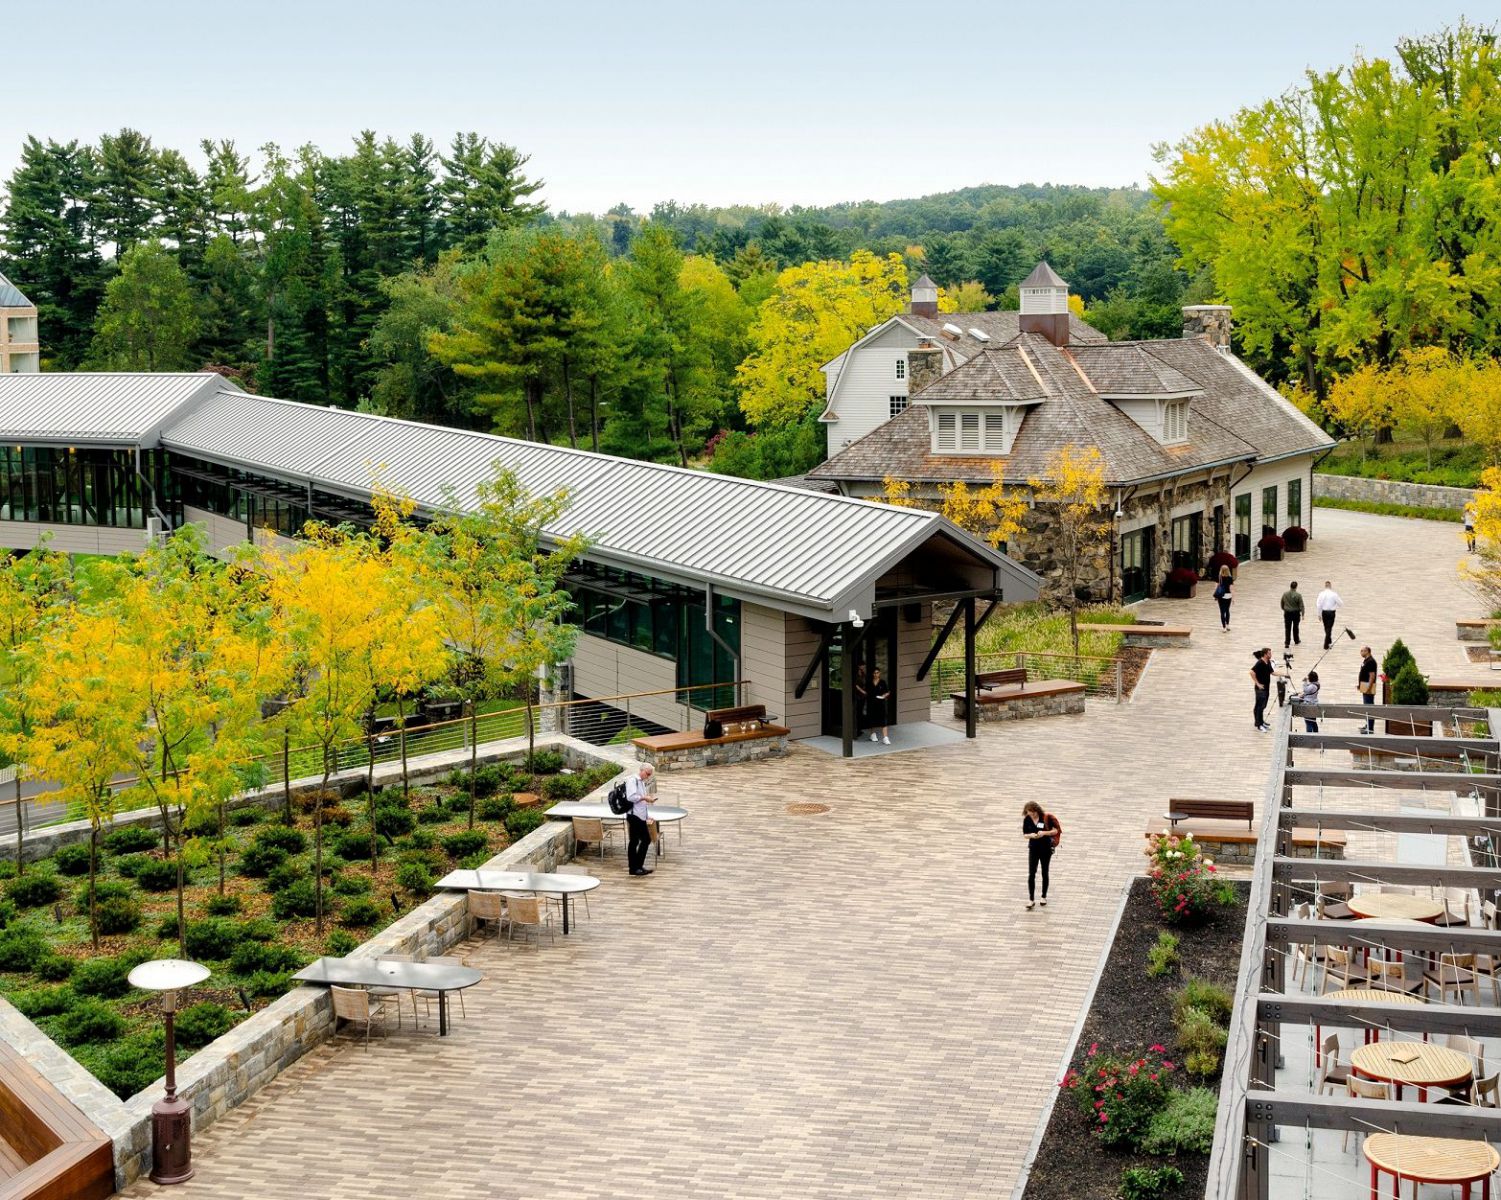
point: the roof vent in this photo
(952, 331)
(978, 334)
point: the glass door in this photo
(1243, 526)
(875, 648)
(1136, 554)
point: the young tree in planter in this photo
(1071, 494)
(33, 592)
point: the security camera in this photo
(855, 619)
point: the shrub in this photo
(359, 913)
(250, 957)
(1149, 1183)
(489, 779)
(495, 808)
(104, 977)
(130, 839)
(54, 968)
(130, 865)
(204, 824)
(458, 803)
(1223, 559)
(352, 885)
(340, 942)
(433, 860)
(433, 814)
(338, 816)
(223, 906)
(166, 928)
(158, 875)
(1162, 957)
(391, 822)
(1120, 1095)
(285, 876)
(1181, 582)
(282, 837)
(1208, 997)
(545, 762)
(241, 817)
(33, 888)
(201, 1023)
(1409, 687)
(415, 878)
(1296, 538)
(260, 860)
(523, 821)
(117, 914)
(421, 840)
(1414, 511)
(129, 1065)
(298, 900)
(43, 1002)
(211, 938)
(1271, 546)
(1185, 1126)
(460, 845)
(72, 860)
(1202, 1041)
(267, 983)
(1395, 659)
(261, 929)
(88, 1021)
(21, 948)
(627, 735)
(474, 861)
(353, 847)
(1183, 881)
(565, 787)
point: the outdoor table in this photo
(392, 973)
(662, 814)
(1432, 1066)
(520, 881)
(1368, 996)
(1366, 950)
(1172, 818)
(1396, 904)
(1430, 1160)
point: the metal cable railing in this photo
(1100, 676)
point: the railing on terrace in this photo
(1100, 676)
(600, 720)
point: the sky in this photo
(777, 102)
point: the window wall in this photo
(56, 485)
(1295, 502)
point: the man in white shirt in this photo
(1328, 603)
(638, 790)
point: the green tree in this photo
(148, 321)
(127, 184)
(484, 190)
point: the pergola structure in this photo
(1462, 759)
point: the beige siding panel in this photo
(221, 532)
(602, 669)
(805, 716)
(913, 638)
(72, 539)
(763, 657)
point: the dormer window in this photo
(1174, 422)
(901, 368)
(972, 431)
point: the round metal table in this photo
(1430, 1160)
(1429, 1065)
(1387, 905)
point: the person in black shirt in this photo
(1261, 676)
(878, 707)
(1039, 828)
(1366, 684)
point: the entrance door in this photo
(1243, 526)
(1136, 557)
(875, 646)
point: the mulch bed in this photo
(1132, 1011)
(1480, 654)
(1134, 661)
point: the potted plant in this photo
(1296, 538)
(1270, 546)
(1181, 583)
(1223, 559)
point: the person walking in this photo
(878, 712)
(1043, 833)
(1366, 684)
(1292, 614)
(1222, 593)
(1328, 603)
(1310, 695)
(1261, 676)
(1470, 526)
(639, 789)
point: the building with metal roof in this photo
(689, 578)
(20, 351)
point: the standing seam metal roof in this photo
(760, 537)
(92, 407)
(11, 296)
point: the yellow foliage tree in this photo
(816, 312)
(1071, 494)
(1477, 406)
(1361, 401)
(991, 512)
(965, 297)
(1429, 388)
(897, 493)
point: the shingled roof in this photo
(1234, 416)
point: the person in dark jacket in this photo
(1039, 828)
(878, 707)
(1292, 613)
(1222, 593)
(1365, 683)
(1261, 676)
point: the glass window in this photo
(1269, 507)
(1186, 540)
(898, 405)
(1243, 526)
(1295, 502)
(901, 368)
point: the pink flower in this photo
(1158, 1049)
(1094, 1047)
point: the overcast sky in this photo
(792, 102)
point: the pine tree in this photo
(127, 189)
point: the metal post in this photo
(970, 702)
(1120, 686)
(627, 712)
(847, 653)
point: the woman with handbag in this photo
(1043, 833)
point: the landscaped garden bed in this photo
(258, 926)
(1150, 1043)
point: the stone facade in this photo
(1478, 630)
(1210, 321)
(714, 754)
(1390, 491)
(924, 365)
(1023, 707)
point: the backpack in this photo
(1057, 828)
(616, 799)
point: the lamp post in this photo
(171, 1118)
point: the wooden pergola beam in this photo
(1387, 822)
(1355, 870)
(1448, 781)
(1350, 1014)
(1436, 939)
(1300, 1109)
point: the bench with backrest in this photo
(1215, 810)
(1225, 830)
(1009, 694)
(1145, 635)
(760, 738)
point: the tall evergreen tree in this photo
(127, 189)
(484, 190)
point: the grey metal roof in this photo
(89, 408)
(11, 296)
(806, 551)
(1043, 276)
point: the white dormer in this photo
(1165, 418)
(975, 430)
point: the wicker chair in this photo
(359, 1006)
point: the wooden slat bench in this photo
(1225, 831)
(1215, 810)
(674, 751)
(57, 1152)
(1476, 630)
(1008, 695)
(1146, 636)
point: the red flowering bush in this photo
(1120, 1096)
(1296, 538)
(1181, 582)
(1184, 882)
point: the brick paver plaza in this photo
(851, 1004)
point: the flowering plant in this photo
(1120, 1096)
(1184, 882)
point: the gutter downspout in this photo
(714, 634)
(151, 491)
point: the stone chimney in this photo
(1210, 321)
(924, 365)
(1044, 305)
(924, 298)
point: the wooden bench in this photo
(1215, 810)
(1008, 695)
(1475, 630)
(1146, 636)
(51, 1151)
(674, 751)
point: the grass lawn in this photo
(1035, 628)
(1456, 463)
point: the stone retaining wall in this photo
(1477, 630)
(1390, 491)
(715, 754)
(1023, 707)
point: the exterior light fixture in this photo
(855, 619)
(171, 1117)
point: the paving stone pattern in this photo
(849, 1004)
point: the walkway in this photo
(851, 1004)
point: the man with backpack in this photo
(638, 792)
